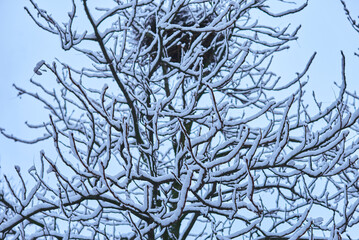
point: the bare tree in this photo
(174, 131)
(354, 23)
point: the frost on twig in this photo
(176, 131)
(38, 66)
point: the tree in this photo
(354, 23)
(174, 131)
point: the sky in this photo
(22, 46)
(325, 30)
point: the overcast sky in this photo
(325, 29)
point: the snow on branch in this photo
(179, 129)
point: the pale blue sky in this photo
(325, 29)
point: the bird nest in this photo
(182, 35)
